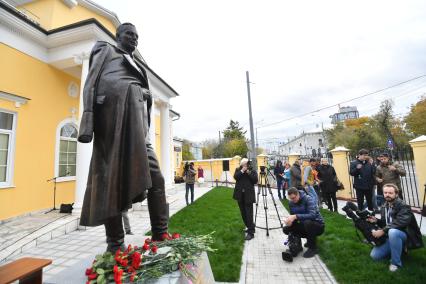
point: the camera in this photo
(249, 166)
(359, 217)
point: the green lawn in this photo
(215, 211)
(349, 260)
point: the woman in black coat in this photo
(244, 193)
(327, 175)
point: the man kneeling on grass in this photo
(399, 224)
(305, 221)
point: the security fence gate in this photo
(404, 157)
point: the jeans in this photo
(393, 247)
(311, 192)
(189, 187)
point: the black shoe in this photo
(129, 233)
(310, 253)
(249, 237)
(287, 256)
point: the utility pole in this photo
(253, 148)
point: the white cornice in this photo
(100, 10)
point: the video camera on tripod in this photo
(264, 187)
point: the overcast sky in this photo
(301, 55)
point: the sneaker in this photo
(393, 268)
(310, 253)
(249, 237)
(287, 256)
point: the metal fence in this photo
(404, 157)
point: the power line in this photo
(342, 102)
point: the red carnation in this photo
(176, 236)
(165, 236)
(148, 241)
(115, 269)
(129, 248)
(132, 277)
(92, 276)
(154, 249)
(145, 247)
(124, 262)
(117, 275)
(135, 248)
(89, 271)
(136, 260)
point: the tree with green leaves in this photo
(186, 153)
(234, 131)
(416, 118)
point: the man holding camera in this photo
(305, 221)
(399, 224)
(244, 193)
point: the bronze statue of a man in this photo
(124, 168)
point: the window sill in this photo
(6, 186)
(64, 179)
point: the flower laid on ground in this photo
(152, 260)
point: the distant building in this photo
(197, 151)
(349, 112)
(307, 143)
(177, 155)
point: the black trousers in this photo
(331, 200)
(368, 193)
(157, 207)
(246, 210)
(307, 229)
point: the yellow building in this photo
(44, 50)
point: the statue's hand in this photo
(146, 92)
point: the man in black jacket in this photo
(244, 193)
(296, 175)
(399, 224)
(364, 179)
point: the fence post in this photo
(292, 157)
(341, 165)
(419, 151)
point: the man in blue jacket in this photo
(305, 221)
(364, 179)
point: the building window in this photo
(7, 132)
(67, 151)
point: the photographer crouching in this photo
(305, 221)
(399, 224)
(244, 193)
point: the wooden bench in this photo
(27, 270)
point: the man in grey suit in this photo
(124, 168)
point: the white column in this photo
(165, 144)
(84, 150)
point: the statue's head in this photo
(127, 37)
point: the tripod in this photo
(54, 195)
(264, 187)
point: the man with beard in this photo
(399, 224)
(124, 168)
(390, 172)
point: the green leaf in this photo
(100, 271)
(101, 279)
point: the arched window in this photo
(67, 151)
